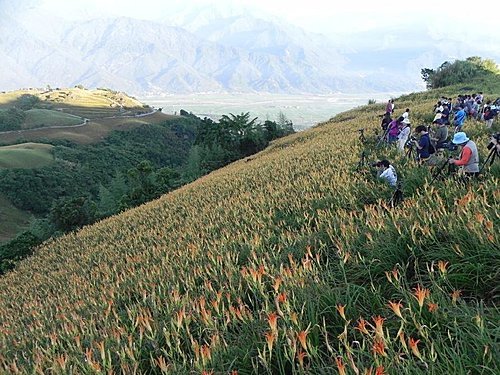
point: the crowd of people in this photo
(449, 119)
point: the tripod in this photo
(491, 158)
(383, 138)
(362, 137)
(397, 196)
(440, 170)
(410, 152)
(361, 162)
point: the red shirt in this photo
(464, 156)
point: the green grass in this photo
(26, 155)
(12, 220)
(37, 118)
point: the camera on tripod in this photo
(409, 142)
(449, 146)
(496, 137)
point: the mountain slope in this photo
(266, 266)
(233, 54)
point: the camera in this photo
(450, 146)
(409, 142)
(497, 138)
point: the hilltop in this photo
(75, 114)
(286, 262)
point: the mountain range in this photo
(205, 50)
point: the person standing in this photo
(389, 108)
(459, 119)
(406, 116)
(469, 156)
(403, 136)
(394, 127)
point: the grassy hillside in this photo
(36, 118)
(26, 155)
(109, 101)
(286, 262)
(12, 220)
(50, 114)
(94, 131)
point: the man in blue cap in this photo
(469, 157)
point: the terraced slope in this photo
(286, 262)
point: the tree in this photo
(72, 213)
(459, 71)
(11, 119)
(27, 101)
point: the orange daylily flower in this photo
(341, 309)
(340, 365)
(432, 307)
(379, 330)
(395, 274)
(456, 295)
(380, 370)
(302, 337)
(277, 284)
(442, 265)
(362, 326)
(421, 294)
(282, 297)
(272, 319)
(414, 347)
(270, 338)
(396, 307)
(300, 356)
(379, 347)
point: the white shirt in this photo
(404, 133)
(390, 175)
(406, 119)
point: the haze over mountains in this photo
(210, 49)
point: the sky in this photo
(476, 21)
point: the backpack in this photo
(432, 149)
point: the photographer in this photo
(495, 142)
(394, 127)
(386, 120)
(489, 114)
(440, 135)
(423, 145)
(403, 136)
(387, 172)
(459, 119)
(469, 156)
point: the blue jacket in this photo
(459, 117)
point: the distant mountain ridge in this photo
(232, 54)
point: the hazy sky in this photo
(473, 20)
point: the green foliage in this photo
(11, 119)
(27, 101)
(71, 213)
(460, 71)
(17, 249)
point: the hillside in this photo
(285, 262)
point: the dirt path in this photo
(86, 121)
